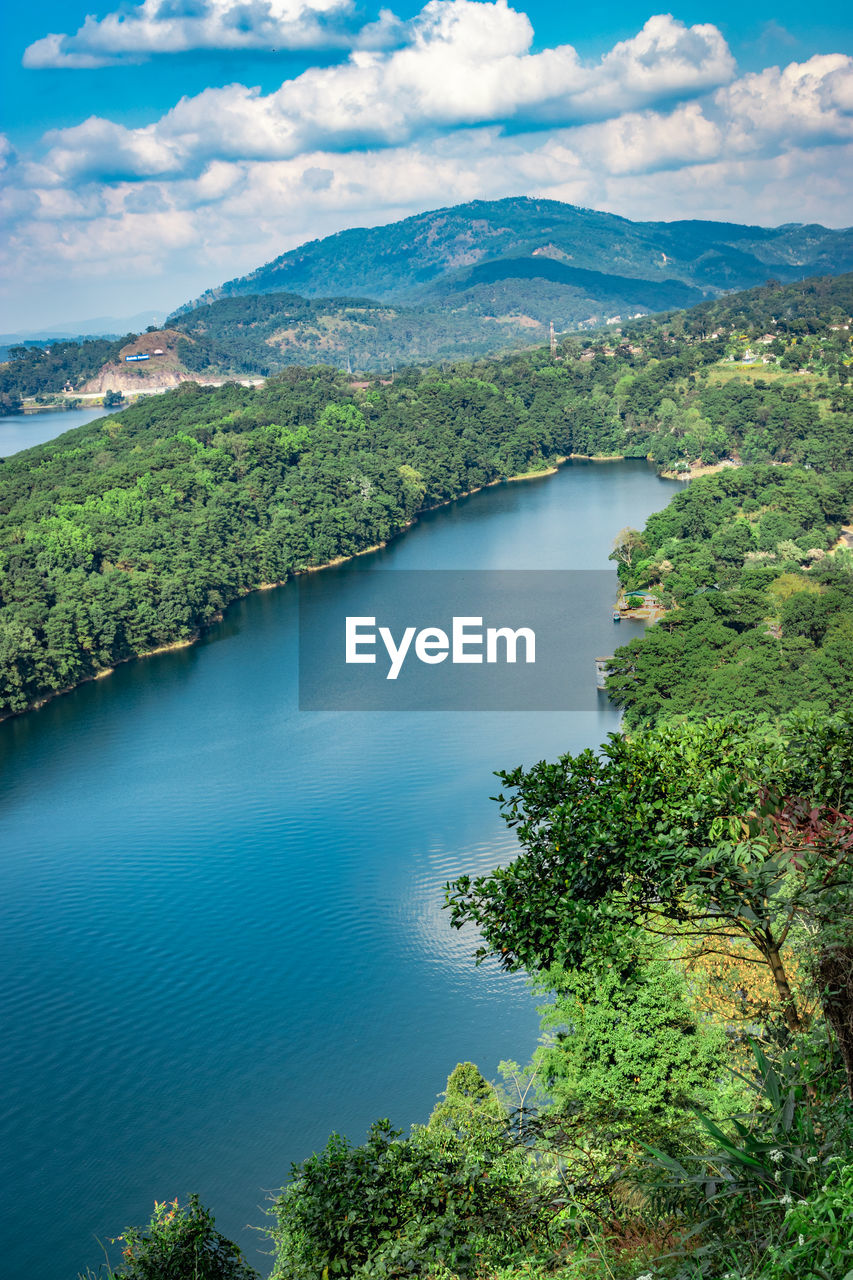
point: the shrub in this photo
(180, 1243)
(400, 1207)
(818, 1238)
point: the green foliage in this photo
(817, 1241)
(264, 334)
(706, 829)
(630, 1056)
(470, 1107)
(398, 1206)
(48, 368)
(764, 1166)
(180, 1243)
(746, 634)
(248, 487)
(136, 530)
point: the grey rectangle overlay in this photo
(455, 640)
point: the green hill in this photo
(390, 262)
(265, 333)
(135, 531)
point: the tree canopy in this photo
(708, 832)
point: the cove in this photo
(222, 931)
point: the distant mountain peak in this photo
(428, 253)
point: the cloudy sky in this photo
(152, 149)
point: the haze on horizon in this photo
(161, 148)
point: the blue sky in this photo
(154, 148)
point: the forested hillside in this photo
(756, 575)
(136, 530)
(265, 333)
(387, 262)
(822, 305)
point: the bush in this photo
(180, 1243)
(392, 1207)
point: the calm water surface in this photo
(222, 929)
(23, 430)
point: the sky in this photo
(151, 149)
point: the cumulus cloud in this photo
(805, 102)
(464, 63)
(176, 26)
(644, 142)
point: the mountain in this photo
(533, 249)
(466, 282)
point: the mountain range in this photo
(483, 277)
(459, 255)
(470, 281)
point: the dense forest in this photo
(756, 578)
(397, 261)
(136, 530)
(478, 312)
(814, 306)
(265, 333)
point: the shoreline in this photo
(603, 457)
(313, 568)
(103, 673)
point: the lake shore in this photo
(103, 672)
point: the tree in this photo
(398, 1206)
(722, 836)
(626, 545)
(469, 1103)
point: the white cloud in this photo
(176, 26)
(187, 234)
(465, 62)
(806, 102)
(664, 59)
(6, 152)
(650, 141)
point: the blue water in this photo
(222, 933)
(23, 430)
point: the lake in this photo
(23, 430)
(222, 927)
